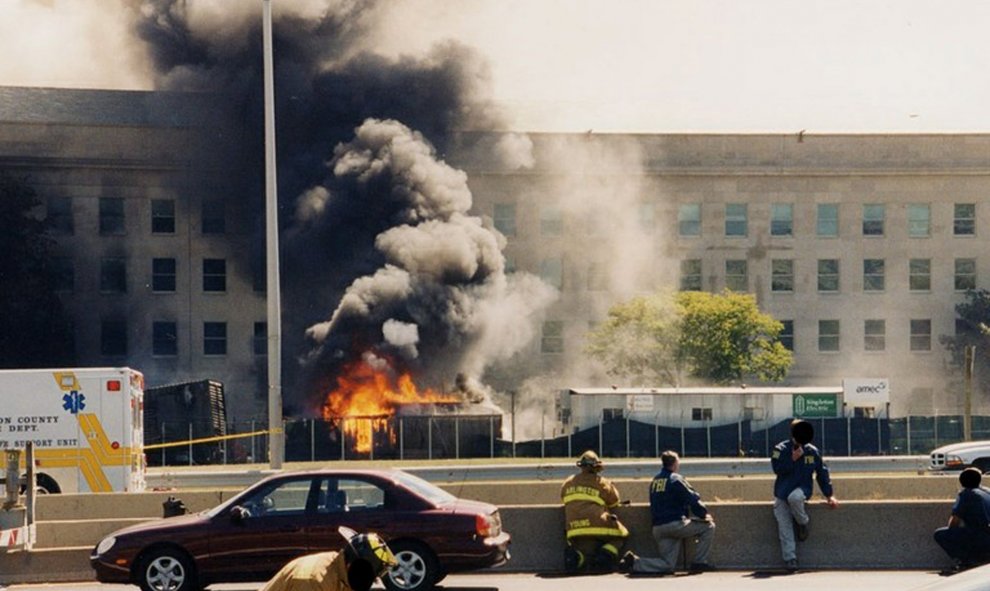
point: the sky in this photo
(620, 65)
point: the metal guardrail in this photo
(226, 477)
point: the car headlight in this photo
(953, 461)
(105, 545)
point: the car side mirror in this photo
(238, 514)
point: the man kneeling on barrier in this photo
(595, 535)
(677, 514)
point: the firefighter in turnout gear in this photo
(365, 558)
(595, 535)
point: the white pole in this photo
(276, 442)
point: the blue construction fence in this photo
(453, 437)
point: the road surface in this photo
(716, 581)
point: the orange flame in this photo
(366, 398)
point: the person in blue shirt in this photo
(795, 461)
(677, 513)
(966, 538)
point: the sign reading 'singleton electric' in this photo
(815, 405)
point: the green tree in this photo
(639, 341)
(726, 338)
(34, 330)
(719, 338)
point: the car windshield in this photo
(430, 492)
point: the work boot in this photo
(800, 531)
(573, 559)
(627, 562)
(791, 565)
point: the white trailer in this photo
(86, 425)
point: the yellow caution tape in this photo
(204, 440)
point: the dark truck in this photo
(182, 412)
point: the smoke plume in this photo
(379, 253)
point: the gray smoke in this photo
(440, 303)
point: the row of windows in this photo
(782, 273)
(873, 219)
(112, 218)
(829, 335)
(113, 275)
(165, 338)
(736, 219)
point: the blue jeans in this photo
(966, 544)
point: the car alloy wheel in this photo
(416, 569)
(167, 571)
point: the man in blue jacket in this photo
(966, 538)
(677, 513)
(794, 462)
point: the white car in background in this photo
(958, 456)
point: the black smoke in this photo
(388, 223)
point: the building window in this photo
(921, 334)
(59, 217)
(782, 219)
(163, 275)
(64, 270)
(782, 275)
(873, 219)
(111, 215)
(260, 342)
(214, 216)
(737, 275)
(552, 272)
(964, 219)
(965, 275)
(505, 218)
(647, 217)
(113, 338)
(214, 338)
(920, 274)
(215, 275)
(875, 335)
(701, 414)
(827, 225)
(873, 275)
(113, 275)
(828, 335)
(163, 216)
(828, 274)
(553, 337)
(551, 221)
(919, 218)
(736, 219)
(689, 219)
(691, 275)
(786, 336)
(164, 339)
(597, 277)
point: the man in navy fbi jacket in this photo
(677, 513)
(794, 462)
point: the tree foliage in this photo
(34, 330)
(720, 338)
(972, 329)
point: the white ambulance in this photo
(86, 425)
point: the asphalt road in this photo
(716, 581)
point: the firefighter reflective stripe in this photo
(610, 549)
(600, 532)
(572, 497)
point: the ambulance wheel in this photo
(167, 569)
(417, 568)
(46, 485)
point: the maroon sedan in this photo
(251, 536)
